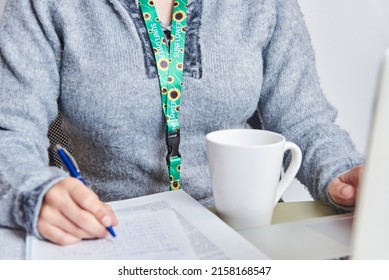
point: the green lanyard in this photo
(170, 69)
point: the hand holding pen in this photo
(74, 171)
(71, 212)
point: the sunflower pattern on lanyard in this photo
(170, 66)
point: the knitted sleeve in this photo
(293, 104)
(29, 87)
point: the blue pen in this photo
(72, 167)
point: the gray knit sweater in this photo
(91, 61)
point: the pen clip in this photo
(71, 158)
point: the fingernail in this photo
(107, 221)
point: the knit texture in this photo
(89, 60)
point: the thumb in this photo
(342, 193)
(346, 191)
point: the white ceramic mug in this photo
(245, 166)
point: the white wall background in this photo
(349, 37)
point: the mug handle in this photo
(292, 170)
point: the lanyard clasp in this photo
(173, 143)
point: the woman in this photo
(246, 64)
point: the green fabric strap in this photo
(170, 65)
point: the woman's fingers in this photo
(70, 212)
(55, 218)
(55, 234)
(96, 213)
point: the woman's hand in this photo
(343, 189)
(70, 212)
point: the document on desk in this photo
(168, 225)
